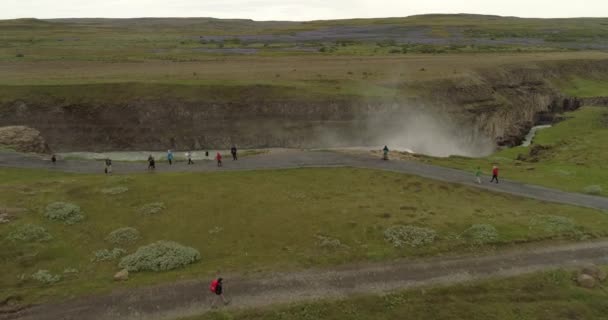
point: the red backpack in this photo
(213, 286)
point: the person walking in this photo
(218, 157)
(189, 156)
(494, 174)
(170, 157)
(207, 155)
(233, 151)
(151, 163)
(217, 288)
(108, 169)
(53, 159)
(385, 153)
(478, 175)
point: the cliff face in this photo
(504, 103)
(469, 116)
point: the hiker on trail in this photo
(151, 163)
(218, 157)
(494, 174)
(233, 151)
(478, 175)
(108, 169)
(217, 289)
(53, 159)
(385, 153)
(189, 156)
(170, 157)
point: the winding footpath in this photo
(187, 298)
(286, 159)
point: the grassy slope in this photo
(577, 157)
(354, 206)
(550, 295)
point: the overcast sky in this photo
(296, 9)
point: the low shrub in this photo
(481, 233)
(400, 236)
(108, 255)
(555, 224)
(152, 208)
(329, 243)
(70, 271)
(67, 213)
(593, 190)
(46, 277)
(29, 233)
(123, 235)
(114, 190)
(160, 256)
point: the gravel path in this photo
(284, 159)
(171, 301)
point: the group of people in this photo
(170, 159)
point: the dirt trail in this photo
(181, 299)
(285, 159)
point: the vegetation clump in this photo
(160, 256)
(152, 208)
(29, 233)
(67, 213)
(123, 235)
(593, 190)
(412, 236)
(555, 224)
(114, 190)
(326, 242)
(108, 255)
(481, 233)
(46, 277)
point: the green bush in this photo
(326, 242)
(67, 213)
(114, 190)
(123, 235)
(593, 190)
(152, 208)
(412, 236)
(160, 256)
(46, 277)
(29, 233)
(108, 255)
(481, 234)
(555, 224)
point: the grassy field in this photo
(573, 160)
(549, 295)
(234, 227)
(118, 40)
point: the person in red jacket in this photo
(218, 157)
(494, 174)
(217, 288)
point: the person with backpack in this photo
(233, 151)
(151, 163)
(108, 169)
(189, 156)
(170, 157)
(385, 153)
(216, 287)
(494, 174)
(218, 157)
(478, 175)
